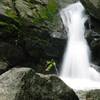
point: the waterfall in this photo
(76, 71)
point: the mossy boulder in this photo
(93, 7)
(25, 84)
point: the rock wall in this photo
(93, 8)
(26, 29)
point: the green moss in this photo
(34, 17)
(52, 8)
(46, 13)
(10, 13)
(3, 23)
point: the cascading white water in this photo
(76, 70)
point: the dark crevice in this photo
(8, 20)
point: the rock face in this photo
(93, 7)
(93, 95)
(24, 84)
(25, 31)
(94, 43)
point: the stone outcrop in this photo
(26, 28)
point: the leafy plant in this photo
(51, 64)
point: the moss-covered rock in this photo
(27, 17)
(39, 12)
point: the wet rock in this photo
(93, 7)
(25, 84)
(95, 23)
(93, 95)
(81, 94)
(96, 67)
(94, 43)
(59, 35)
(65, 3)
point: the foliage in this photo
(51, 64)
(46, 13)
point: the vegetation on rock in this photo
(25, 26)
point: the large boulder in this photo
(93, 7)
(25, 84)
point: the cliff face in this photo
(27, 28)
(33, 30)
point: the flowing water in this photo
(76, 71)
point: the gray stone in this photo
(25, 84)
